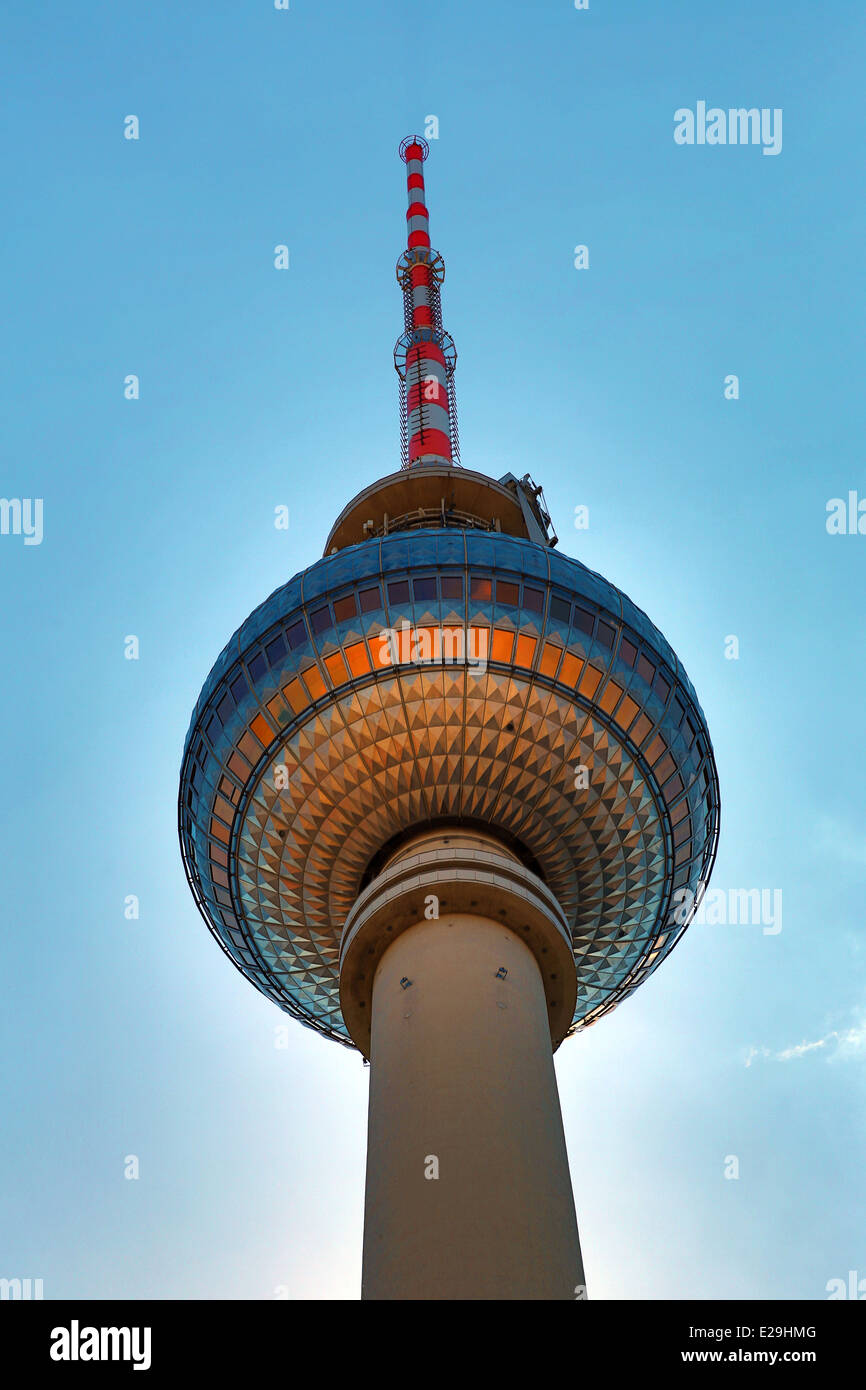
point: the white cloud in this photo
(800, 1049)
(853, 1042)
(844, 1045)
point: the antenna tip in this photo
(417, 144)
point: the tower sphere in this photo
(570, 728)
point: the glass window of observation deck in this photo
(345, 608)
(371, 599)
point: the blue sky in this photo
(261, 388)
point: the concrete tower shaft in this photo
(456, 978)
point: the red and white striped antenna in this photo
(424, 355)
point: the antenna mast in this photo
(424, 355)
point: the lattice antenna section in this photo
(404, 433)
(424, 355)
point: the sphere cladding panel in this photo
(314, 742)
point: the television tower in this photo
(448, 797)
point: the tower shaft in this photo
(468, 1193)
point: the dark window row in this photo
(424, 589)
